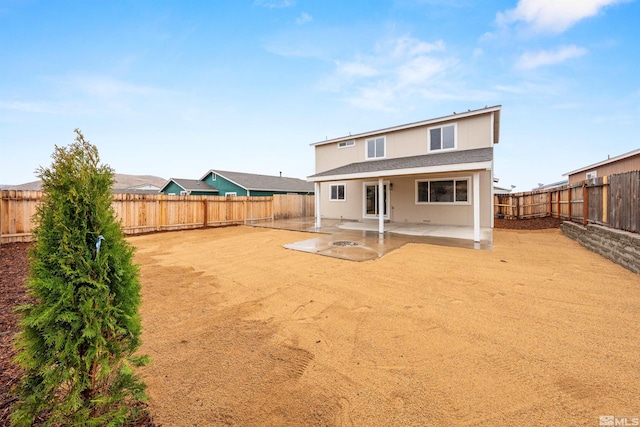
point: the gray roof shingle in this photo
(266, 182)
(422, 161)
(194, 185)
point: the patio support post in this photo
(476, 207)
(380, 206)
(316, 192)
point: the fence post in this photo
(585, 204)
(205, 222)
(1, 211)
(558, 204)
(569, 210)
(605, 199)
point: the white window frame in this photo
(184, 193)
(366, 148)
(591, 174)
(387, 184)
(440, 150)
(230, 193)
(338, 184)
(346, 144)
(454, 179)
(213, 176)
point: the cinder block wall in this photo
(619, 246)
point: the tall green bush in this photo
(78, 337)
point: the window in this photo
(213, 176)
(345, 144)
(375, 147)
(338, 192)
(592, 174)
(451, 191)
(442, 138)
(230, 193)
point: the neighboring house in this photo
(138, 189)
(144, 187)
(248, 184)
(437, 171)
(551, 186)
(123, 183)
(501, 190)
(188, 187)
(626, 162)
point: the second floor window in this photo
(375, 147)
(442, 138)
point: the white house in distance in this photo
(437, 171)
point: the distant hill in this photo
(122, 181)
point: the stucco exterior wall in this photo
(403, 207)
(472, 132)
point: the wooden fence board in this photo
(612, 201)
(143, 213)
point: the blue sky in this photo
(175, 88)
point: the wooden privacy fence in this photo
(610, 200)
(144, 213)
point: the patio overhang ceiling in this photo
(461, 161)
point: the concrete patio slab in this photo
(360, 241)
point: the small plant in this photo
(79, 336)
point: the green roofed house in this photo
(248, 184)
(188, 187)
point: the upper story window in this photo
(376, 147)
(345, 144)
(442, 137)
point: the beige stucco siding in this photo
(403, 202)
(472, 132)
(475, 132)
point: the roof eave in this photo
(411, 125)
(459, 167)
(604, 162)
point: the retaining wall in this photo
(619, 246)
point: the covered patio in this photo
(361, 241)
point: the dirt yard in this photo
(243, 332)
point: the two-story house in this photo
(437, 171)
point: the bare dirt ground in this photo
(241, 331)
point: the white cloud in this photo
(531, 60)
(553, 16)
(355, 69)
(304, 18)
(396, 69)
(275, 4)
(408, 47)
(421, 70)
